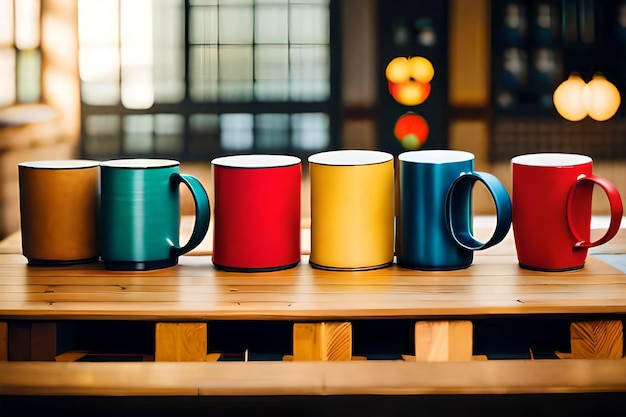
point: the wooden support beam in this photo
(181, 342)
(4, 341)
(443, 340)
(596, 340)
(31, 341)
(325, 341)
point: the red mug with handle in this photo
(552, 200)
(257, 213)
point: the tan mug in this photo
(352, 210)
(59, 211)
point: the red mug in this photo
(257, 213)
(552, 200)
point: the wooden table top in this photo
(195, 290)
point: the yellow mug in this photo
(352, 210)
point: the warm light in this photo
(574, 99)
(602, 98)
(421, 69)
(411, 130)
(568, 98)
(397, 70)
(409, 79)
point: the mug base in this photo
(344, 269)
(268, 269)
(433, 268)
(49, 262)
(139, 266)
(534, 268)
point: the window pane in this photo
(203, 73)
(169, 51)
(102, 135)
(27, 15)
(6, 23)
(203, 25)
(308, 24)
(168, 138)
(137, 134)
(271, 24)
(98, 54)
(237, 134)
(204, 131)
(271, 71)
(235, 73)
(310, 131)
(8, 93)
(309, 73)
(29, 71)
(136, 51)
(272, 131)
(235, 24)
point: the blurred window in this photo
(199, 78)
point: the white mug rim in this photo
(436, 156)
(350, 157)
(140, 163)
(57, 164)
(256, 161)
(551, 159)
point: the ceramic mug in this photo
(257, 214)
(435, 219)
(59, 211)
(352, 215)
(140, 213)
(552, 201)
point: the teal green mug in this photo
(140, 213)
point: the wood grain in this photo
(443, 340)
(325, 341)
(311, 378)
(597, 339)
(180, 342)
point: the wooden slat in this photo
(597, 339)
(325, 341)
(181, 342)
(312, 378)
(443, 340)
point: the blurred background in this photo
(196, 79)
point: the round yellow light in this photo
(397, 70)
(602, 98)
(421, 69)
(568, 98)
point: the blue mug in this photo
(434, 230)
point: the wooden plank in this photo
(181, 342)
(4, 341)
(597, 339)
(326, 341)
(443, 340)
(312, 378)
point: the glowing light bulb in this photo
(602, 98)
(568, 98)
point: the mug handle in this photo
(615, 203)
(460, 226)
(203, 212)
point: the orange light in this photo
(574, 99)
(408, 79)
(411, 130)
(602, 99)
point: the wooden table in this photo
(179, 306)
